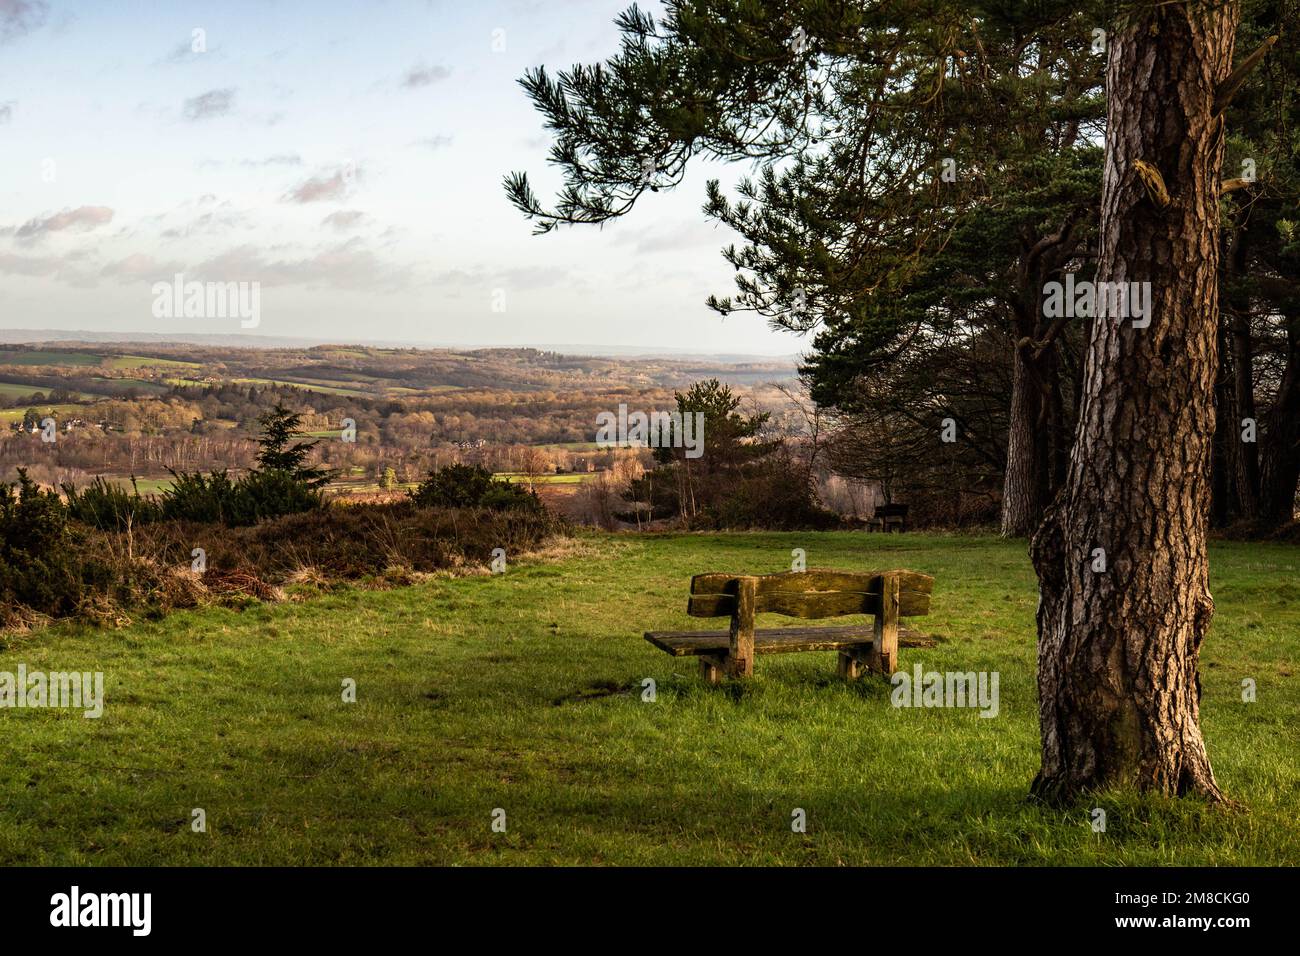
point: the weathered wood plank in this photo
(808, 604)
(711, 605)
(815, 579)
(776, 640)
(817, 604)
(913, 604)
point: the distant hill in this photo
(67, 339)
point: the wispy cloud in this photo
(324, 186)
(7, 111)
(20, 17)
(670, 237)
(344, 219)
(184, 52)
(81, 219)
(208, 105)
(279, 159)
(209, 219)
(435, 142)
(420, 76)
(140, 266)
(347, 265)
(16, 265)
(69, 268)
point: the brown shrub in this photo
(389, 544)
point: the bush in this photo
(273, 494)
(472, 486)
(194, 496)
(773, 498)
(46, 565)
(66, 571)
(345, 542)
(109, 506)
(127, 551)
(282, 484)
(217, 499)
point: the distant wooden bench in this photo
(809, 594)
(889, 516)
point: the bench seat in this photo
(773, 640)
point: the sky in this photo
(345, 156)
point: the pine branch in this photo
(1230, 87)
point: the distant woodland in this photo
(384, 417)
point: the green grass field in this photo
(324, 389)
(575, 478)
(43, 357)
(523, 692)
(148, 361)
(17, 414)
(19, 390)
(146, 486)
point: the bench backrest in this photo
(814, 593)
(891, 511)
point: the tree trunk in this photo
(1221, 452)
(1280, 468)
(1022, 499)
(1119, 692)
(1244, 395)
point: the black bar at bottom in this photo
(583, 907)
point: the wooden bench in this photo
(815, 593)
(889, 516)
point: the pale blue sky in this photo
(346, 155)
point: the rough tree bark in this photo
(1280, 468)
(1035, 465)
(1222, 453)
(1119, 691)
(1022, 481)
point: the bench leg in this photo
(851, 666)
(740, 654)
(886, 626)
(710, 668)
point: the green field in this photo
(146, 486)
(147, 361)
(42, 357)
(115, 386)
(522, 692)
(109, 388)
(17, 414)
(18, 390)
(325, 389)
(568, 479)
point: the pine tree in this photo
(281, 454)
(871, 125)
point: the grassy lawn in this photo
(522, 691)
